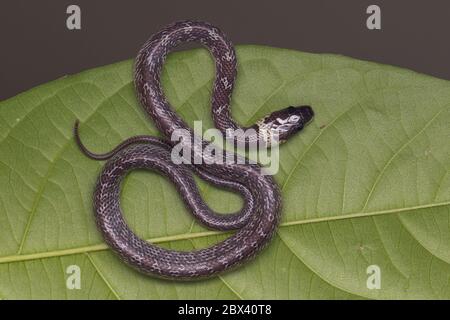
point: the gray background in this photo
(36, 47)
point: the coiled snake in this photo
(260, 215)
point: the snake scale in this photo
(257, 220)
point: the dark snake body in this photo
(256, 221)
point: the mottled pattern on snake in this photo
(259, 217)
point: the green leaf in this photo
(367, 182)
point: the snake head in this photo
(283, 124)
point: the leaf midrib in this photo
(187, 236)
(106, 97)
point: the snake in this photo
(254, 224)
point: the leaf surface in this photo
(366, 183)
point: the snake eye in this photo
(294, 119)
